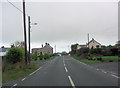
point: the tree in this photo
(73, 49)
(19, 44)
(2, 47)
(41, 56)
(14, 55)
(35, 55)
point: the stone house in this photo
(46, 49)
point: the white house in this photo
(93, 43)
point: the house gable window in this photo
(97, 46)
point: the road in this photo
(66, 71)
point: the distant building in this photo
(3, 51)
(94, 44)
(46, 49)
(81, 46)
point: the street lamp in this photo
(29, 26)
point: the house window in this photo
(97, 46)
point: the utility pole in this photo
(24, 21)
(55, 48)
(29, 38)
(88, 40)
(68, 49)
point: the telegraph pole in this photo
(88, 40)
(24, 21)
(55, 48)
(29, 37)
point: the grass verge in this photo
(86, 60)
(51, 58)
(105, 58)
(15, 71)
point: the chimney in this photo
(42, 45)
(45, 43)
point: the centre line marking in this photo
(115, 76)
(97, 69)
(14, 85)
(23, 79)
(66, 69)
(73, 85)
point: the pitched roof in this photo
(94, 41)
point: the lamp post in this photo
(29, 23)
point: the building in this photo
(81, 46)
(3, 51)
(93, 43)
(46, 49)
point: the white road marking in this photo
(97, 69)
(23, 79)
(64, 64)
(115, 76)
(73, 85)
(66, 69)
(104, 71)
(83, 63)
(35, 71)
(14, 85)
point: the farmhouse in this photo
(46, 49)
(93, 43)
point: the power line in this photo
(15, 7)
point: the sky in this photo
(61, 23)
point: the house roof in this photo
(94, 41)
(4, 49)
(43, 47)
(82, 45)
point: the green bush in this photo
(46, 56)
(14, 55)
(41, 56)
(35, 55)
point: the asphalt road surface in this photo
(66, 71)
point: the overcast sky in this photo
(61, 23)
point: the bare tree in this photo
(19, 44)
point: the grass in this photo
(15, 71)
(51, 58)
(105, 58)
